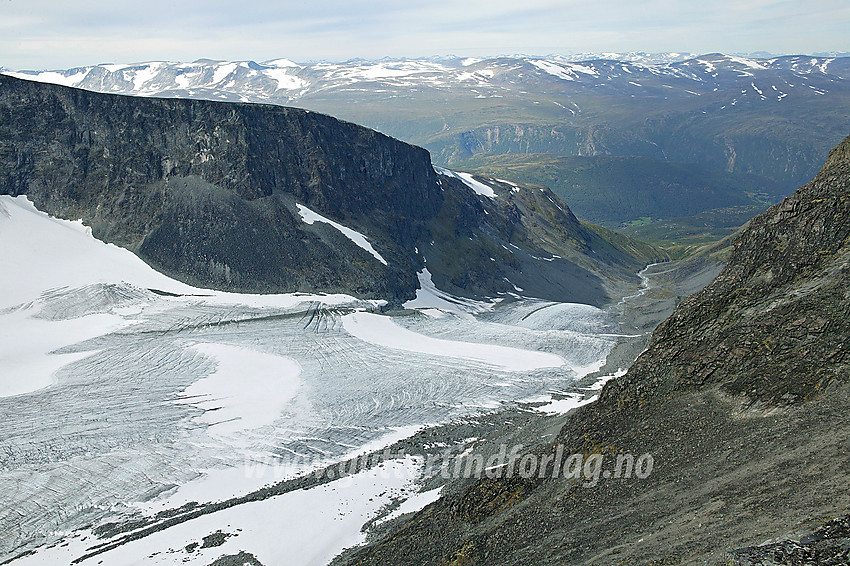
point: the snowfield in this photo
(119, 402)
(248, 390)
(303, 527)
(382, 331)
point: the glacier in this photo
(125, 393)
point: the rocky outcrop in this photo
(828, 546)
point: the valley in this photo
(236, 332)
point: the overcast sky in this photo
(52, 34)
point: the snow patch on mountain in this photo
(468, 179)
(429, 297)
(569, 71)
(309, 217)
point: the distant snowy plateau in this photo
(282, 81)
(125, 394)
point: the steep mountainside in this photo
(772, 327)
(266, 198)
(774, 117)
(742, 401)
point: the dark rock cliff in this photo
(742, 400)
(207, 192)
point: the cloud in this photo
(54, 34)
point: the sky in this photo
(57, 34)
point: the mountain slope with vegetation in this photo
(618, 190)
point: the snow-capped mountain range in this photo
(285, 82)
(772, 117)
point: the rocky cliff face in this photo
(742, 400)
(209, 192)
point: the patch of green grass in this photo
(684, 236)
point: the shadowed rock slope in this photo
(208, 193)
(742, 401)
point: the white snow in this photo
(566, 71)
(235, 399)
(285, 81)
(556, 70)
(462, 77)
(823, 67)
(51, 77)
(709, 66)
(600, 383)
(282, 63)
(309, 217)
(414, 503)
(39, 252)
(182, 79)
(477, 186)
(114, 68)
(383, 72)
(308, 527)
(222, 71)
(382, 331)
(26, 344)
(575, 400)
(390, 71)
(750, 63)
(143, 75)
(429, 297)
(564, 406)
